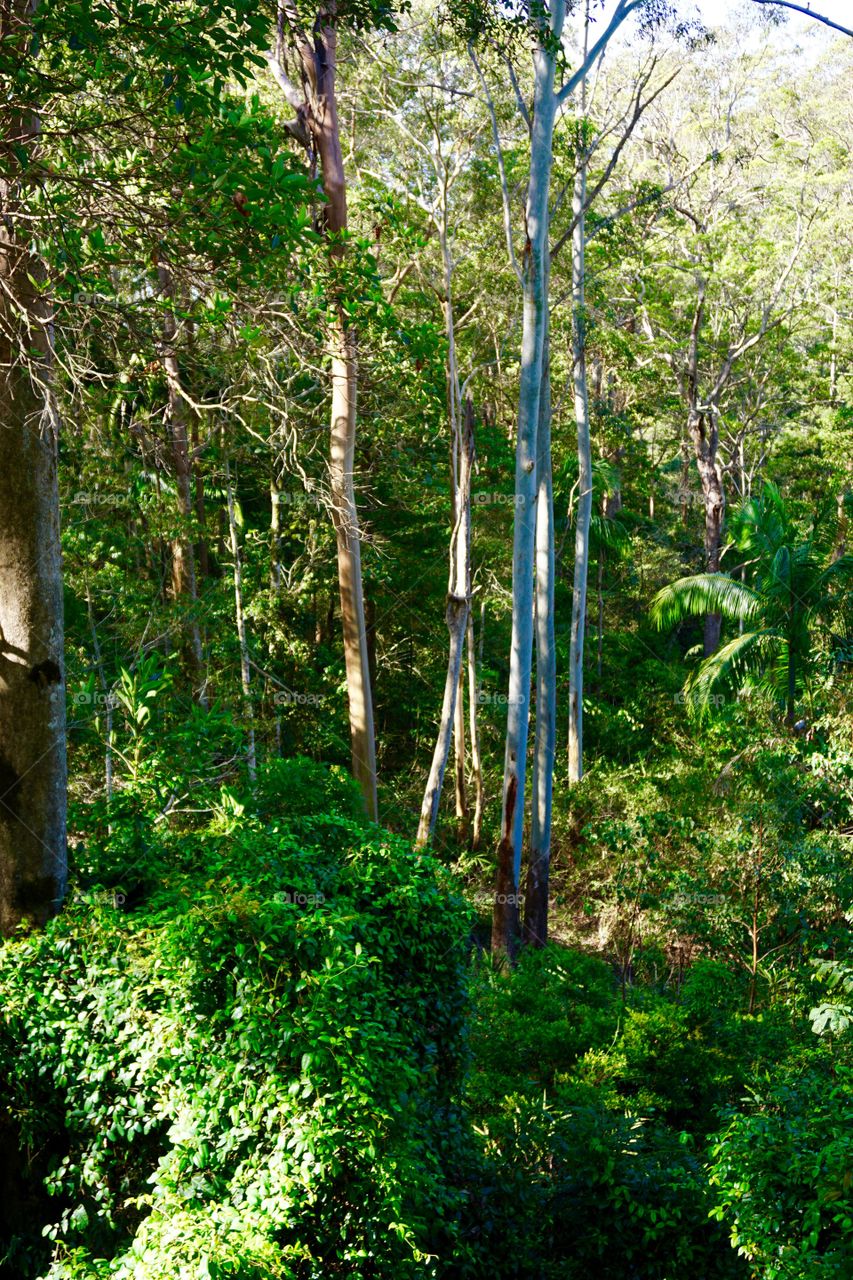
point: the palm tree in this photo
(790, 583)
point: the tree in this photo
(317, 124)
(32, 683)
(533, 276)
(795, 583)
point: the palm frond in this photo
(722, 675)
(704, 593)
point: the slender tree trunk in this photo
(704, 433)
(325, 129)
(505, 921)
(32, 685)
(460, 788)
(242, 637)
(345, 516)
(600, 599)
(458, 607)
(583, 517)
(535, 931)
(200, 512)
(184, 585)
(473, 727)
(107, 696)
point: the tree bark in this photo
(184, 585)
(583, 515)
(458, 607)
(319, 113)
(242, 637)
(33, 861)
(704, 433)
(473, 727)
(505, 920)
(535, 930)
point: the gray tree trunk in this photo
(535, 931)
(505, 920)
(458, 607)
(242, 637)
(583, 515)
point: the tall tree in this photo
(32, 685)
(317, 122)
(547, 30)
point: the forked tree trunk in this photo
(583, 516)
(458, 607)
(535, 929)
(505, 919)
(32, 686)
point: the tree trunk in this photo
(704, 433)
(342, 352)
(473, 726)
(32, 686)
(583, 517)
(505, 924)
(505, 921)
(458, 607)
(184, 586)
(345, 517)
(460, 788)
(535, 931)
(242, 638)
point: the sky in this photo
(715, 12)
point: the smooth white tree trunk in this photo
(583, 515)
(242, 637)
(505, 921)
(535, 929)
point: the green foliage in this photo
(248, 1069)
(782, 1167)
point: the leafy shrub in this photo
(782, 1169)
(251, 1070)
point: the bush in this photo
(251, 1069)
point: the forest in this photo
(426, 639)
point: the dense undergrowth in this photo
(265, 1043)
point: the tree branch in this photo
(807, 10)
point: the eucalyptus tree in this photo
(702, 316)
(545, 25)
(311, 90)
(32, 687)
(84, 203)
(423, 103)
(616, 123)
